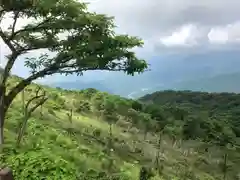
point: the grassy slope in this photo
(50, 137)
(48, 148)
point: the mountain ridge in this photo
(169, 72)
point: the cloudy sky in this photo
(175, 23)
(171, 25)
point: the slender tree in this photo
(70, 114)
(40, 99)
(77, 40)
(41, 111)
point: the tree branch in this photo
(42, 101)
(28, 112)
(16, 14)
(9, 66)
(12, 58)
(7, 41)
(88, 69)
(28, 29)
(25, 82)
(37, 96)
(1, 14)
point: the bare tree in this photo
(41, 99)
(225, 166)
(70, 116)
(157, 157)
(41, 112)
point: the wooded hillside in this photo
(92, 134)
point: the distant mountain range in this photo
(217, 71)
(220, 83)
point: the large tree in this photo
(80, 41)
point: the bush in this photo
(137, 106)
(83, 106)
(34, 165)
(97, 132)
(146, 173)
(50, 111)
(134, 130)
(124, 124)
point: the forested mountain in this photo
(220, 108)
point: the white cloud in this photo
(191, 35)
(176, 23)
(225, 34)
(184, 36)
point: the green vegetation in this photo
(208, 110)
(75, 41)
(91, 134)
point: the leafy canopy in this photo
(80, 40)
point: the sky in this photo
(167, 25)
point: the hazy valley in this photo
(213, 71)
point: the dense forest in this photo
(210, 116)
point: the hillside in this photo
(60, 146)
(223, 107)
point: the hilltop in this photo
(70, 137)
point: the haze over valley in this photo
(211, 71)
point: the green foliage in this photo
(109, 111)
(90, 42)
(34, 165)
(137, 106)
(192, 142)
(83, 106)
(97, 132)
(146, 173)
(211, 117)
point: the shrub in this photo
(83, 106)
(97, 132)
(35, 165)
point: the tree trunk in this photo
(145, 134)
(2, 117)
(109, 146)
(22, 128)
(225, 166)
(2, 113)
(158, 150)
(173, 141)
(41, 112)
(23, 102)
